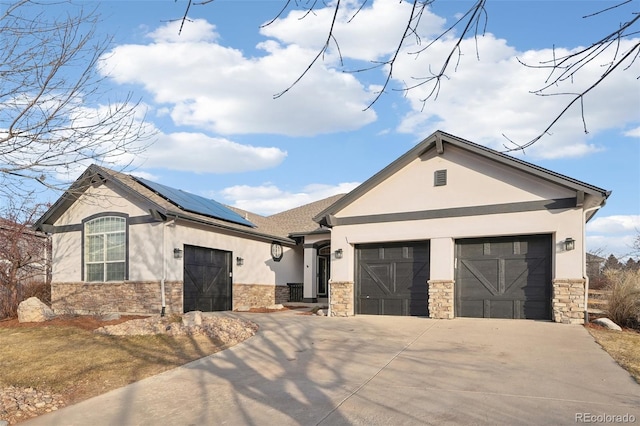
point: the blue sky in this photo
(208, 95)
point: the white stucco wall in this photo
(444, 232)
(146, 246)
(471, 181)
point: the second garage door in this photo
(391, 279)
(508, 277)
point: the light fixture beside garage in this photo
(338, 253)
(239, 261)
(569, 244)
(177, 253)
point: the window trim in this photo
(126, 244)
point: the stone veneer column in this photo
(441, 299)
(568, 301)
(341, 302)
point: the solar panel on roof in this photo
(195, 203)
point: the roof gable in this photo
(436, 145)
(166, 202)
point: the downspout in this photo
(584, 261)
(164, 270)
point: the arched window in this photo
(105, 248)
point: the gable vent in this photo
(440, 178)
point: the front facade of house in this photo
(450, 229)
(453, 229)
(119, 246)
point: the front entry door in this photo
(207, 279)
(323, 275)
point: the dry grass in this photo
(78, 363)
(623, 346)
(623, 304)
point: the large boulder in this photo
(192, 318)
(606, 322)
(33, 310)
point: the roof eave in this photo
(436, 141)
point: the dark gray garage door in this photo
(506, 277)
(207, 279)
(391, 279)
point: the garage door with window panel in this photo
(207, 279)
(391, 279)
(505, 277)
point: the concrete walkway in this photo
(368, 370)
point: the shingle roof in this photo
(277, 227)
(299, 220)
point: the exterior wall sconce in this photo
(276, 251)
(569, 244)
(177, 253)
(239, 261)
(338, 254)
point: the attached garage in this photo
(207, 279)
(391, 279)
(506, 277)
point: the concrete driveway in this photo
(368, 370)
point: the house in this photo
(449, 229)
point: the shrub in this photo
(623, 304)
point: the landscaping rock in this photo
(192, 318)
(33, 310)
(110, 317)
(606, 322)
(19, 404)
(276, 307)
(321, 313)
(224, 330)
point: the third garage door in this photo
(507, 277)
(391, 279)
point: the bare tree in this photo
(471, 25)
(55, 115)
(24, 257)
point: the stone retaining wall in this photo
(568, 301)
(131, 297)
(258, 295)
(341, 303)
(441, 300)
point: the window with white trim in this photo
(105, 249)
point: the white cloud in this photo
(367, 34)
(219, 89)
(268, 199)
(197, 30)
(614, 224)
(488, 97)
(199, 153)
(201, 83)
(613, 234)
(633, 133)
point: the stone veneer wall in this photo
(568, 301)
(258, 295)
(341, 301)
(131, 297)
(441, 299)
